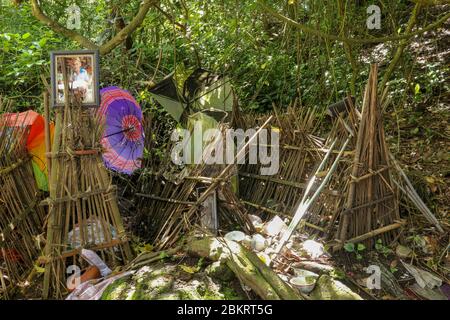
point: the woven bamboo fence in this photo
(300, 152)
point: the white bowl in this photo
(237, 236)
(304, 284)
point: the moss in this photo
(230, 294)
(158, 283)
(169, 296)
(329, 289)
(116, 290)
(151, 287)
(186, 295)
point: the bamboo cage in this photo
(83, 209)
(21, 218)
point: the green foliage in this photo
(382, 248)
(350, 247)
(267, 61)
(24, 55)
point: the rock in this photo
(198, 290)
(169, 296)
(274, 226)
(329, 289)
(403, 252)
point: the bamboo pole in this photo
(374, 233)
(47, 133)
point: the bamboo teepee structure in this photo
(83, 209)
(371, 208)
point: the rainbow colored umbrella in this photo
(35, 142)
(123, 138)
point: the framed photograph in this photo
(82, 74)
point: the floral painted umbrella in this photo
(123, 138)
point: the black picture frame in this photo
(92, 88)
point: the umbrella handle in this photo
(121, 131)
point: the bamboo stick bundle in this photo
(371, 196)
(83, 210)
(21, 219)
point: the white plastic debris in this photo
(237, 236)
(259, 243)
(94, 260)
(274, 226)
(255, 220)
(423, 278)
(247, 242)
(94, 233)
(304, 273)
(313, 248)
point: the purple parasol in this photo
(123, 138)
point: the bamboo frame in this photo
(83, 210)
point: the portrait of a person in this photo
(80, 75)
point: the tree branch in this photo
(402, 46)
(129, 29)
(85, 42)
(55, 26)
(333, 37)
(170, 18)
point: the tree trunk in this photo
(249, 269)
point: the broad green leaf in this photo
(349, 247)
(360, 247)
